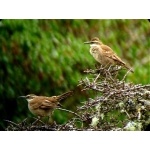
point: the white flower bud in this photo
(121, 104)
(94, 122)
(133, 126)
(102, 116)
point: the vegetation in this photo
(48, 57)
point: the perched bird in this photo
(43, 106)
(104, 54)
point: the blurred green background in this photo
(48, 57)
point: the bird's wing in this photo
(35, 103)
(44, 103)
(49, 103)
(111, 54)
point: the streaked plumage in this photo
(104, 54)
(43, 106)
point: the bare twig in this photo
(69, 112)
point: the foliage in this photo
(48, 57)
(118, 105)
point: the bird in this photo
(43, 106)
(104, 54)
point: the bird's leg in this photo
(116, 74)
(96, 66)
(50, 120)
(107, 65)
(38, 120)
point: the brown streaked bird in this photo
(104, 54)
(43, 106)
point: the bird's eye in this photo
(28, 96)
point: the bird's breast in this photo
(96, 53)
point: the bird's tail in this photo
(65, 95)
(129, 68)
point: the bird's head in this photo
(94, 42)
(29, 97)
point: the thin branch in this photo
(70, 112)
(12, 123)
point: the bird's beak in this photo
(22, 97)
(88, 42)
